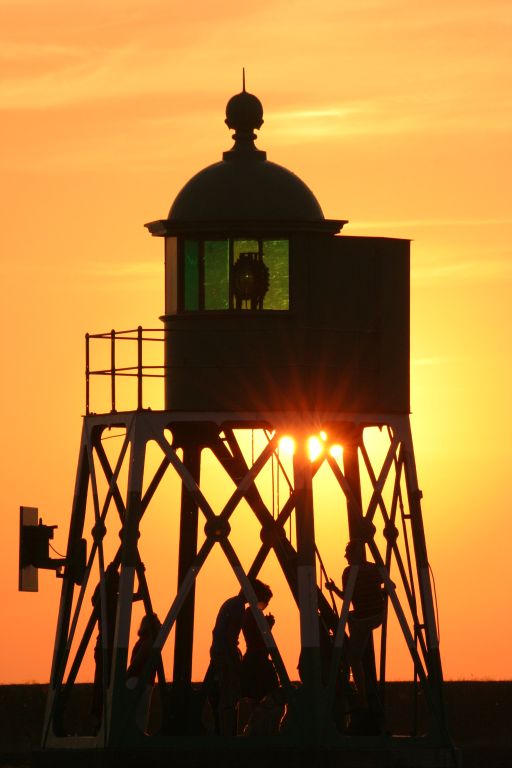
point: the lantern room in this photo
(267, 307)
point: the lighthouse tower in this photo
(276, 325)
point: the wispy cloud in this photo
(31, 52)
(328, 120)
(481, 269)
(432, 223)
(376, 115)
(427, 71)
(90, 76)
(356, 118)
(100, 272)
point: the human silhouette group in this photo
(234, 677)
(249, 680)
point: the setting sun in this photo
(287, 445)
(336, 451)
(315, 447)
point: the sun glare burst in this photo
(315, 447)
(336, 451)
(287, 445)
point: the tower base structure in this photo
(163, 498)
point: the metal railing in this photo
(138, 336)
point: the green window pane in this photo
(191, 275)
(276, 258)
(216, 274)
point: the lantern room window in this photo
(191, 270)
(235, 274)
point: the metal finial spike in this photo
(243, 79)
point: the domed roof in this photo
(245, 186)
(248, 190)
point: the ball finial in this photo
(244, 114)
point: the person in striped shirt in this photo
(368, 606)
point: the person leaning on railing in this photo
(368, 607)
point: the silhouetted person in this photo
(105, 639)
(226, 660)
(369, 602)
(259, 677)
(148, 630)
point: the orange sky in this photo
(397, 115)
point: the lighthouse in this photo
(277, 324)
